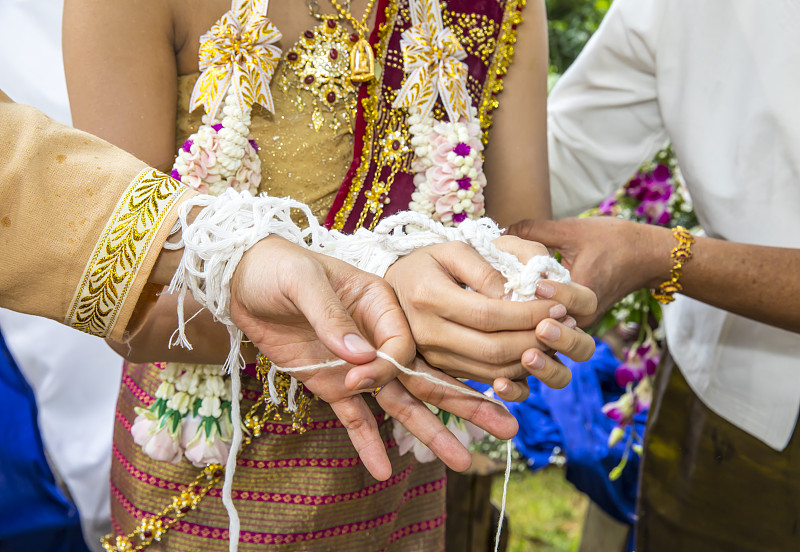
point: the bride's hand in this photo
(479, 335)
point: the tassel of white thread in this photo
(229, 224)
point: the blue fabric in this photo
(35, 515)
(571, 420)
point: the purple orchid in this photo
(639, 362)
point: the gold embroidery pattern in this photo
(380, 117)
(371, 112)
(499, 67)
(120, 251)
(475, 32)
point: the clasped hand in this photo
(302, 308)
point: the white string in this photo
(505, 494)
(230, 465)
(229, 224)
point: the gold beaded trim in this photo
(499, 67)
(681, 254)
(153, 528)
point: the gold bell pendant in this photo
(362, 62)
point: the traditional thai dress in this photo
(309, 491)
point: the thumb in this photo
(542, 231)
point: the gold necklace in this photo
(362, 59)
(320, 63)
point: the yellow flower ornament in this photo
(432, 59)
(237, 55)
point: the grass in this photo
(545, 511)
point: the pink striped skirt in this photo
(293, 491)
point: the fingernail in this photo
(549, 331)
(570, 322)
(367, 384)
(504, 387)
(357, 344)
(558, 312)
(532, 360)
(545, 290)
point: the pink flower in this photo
(466, 432)
(159, 445)
(444, 207)
(440, 178)
(248, 177)
(201, 449)
(140, 430)
(623, 409)
(406, 442)
(439, 146)
(639, 362)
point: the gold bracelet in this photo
(681, 254)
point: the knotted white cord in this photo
(229, 224)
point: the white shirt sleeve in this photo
(603, 114)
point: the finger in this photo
(548, 370)
(483, 413)
(467, 266)
(323, 309)
(579, 300)
(572, 342)
(542, 231)
(385, 324)
(464, 352)
(362, 429)
(424, 425)
(522, 249)
(512, 391)
(474, 310)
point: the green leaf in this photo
(176, 421)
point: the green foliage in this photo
(545, 511)
(571, 23)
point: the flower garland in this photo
(448, 167)
(221, 154)
(190, 417)
(656, 195)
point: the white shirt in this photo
(721, 80)
(75, 377)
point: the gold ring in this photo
(377, 390)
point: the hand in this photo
(478, 335)
(611, 256)
(301, 308)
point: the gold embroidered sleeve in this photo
(81, 223)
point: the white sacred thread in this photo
(229, 224)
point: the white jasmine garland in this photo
(448, 167)
(221, 154)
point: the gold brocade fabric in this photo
(296, 160)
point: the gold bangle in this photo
(681, 254)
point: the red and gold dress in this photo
(309, 490)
